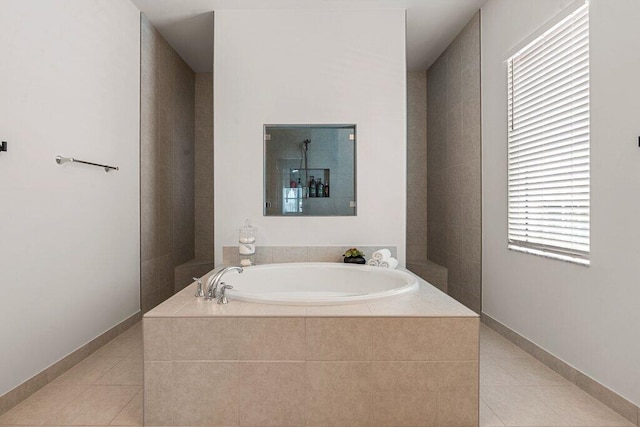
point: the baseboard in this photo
(35, 383)
(610, 398)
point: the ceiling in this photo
(188, 24)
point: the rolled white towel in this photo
(389, 263)
(381, 255)
(373, 263)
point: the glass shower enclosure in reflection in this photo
(309, 170)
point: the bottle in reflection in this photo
(319, 188)
(312, 187)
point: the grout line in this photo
(492, 411)
(125, 405)
(61, 408)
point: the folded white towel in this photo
(389, 263)
(373, 263)
(381, 255)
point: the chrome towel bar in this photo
(60, 160)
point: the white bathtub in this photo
(319, 283)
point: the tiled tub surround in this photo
(408, 361)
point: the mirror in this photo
(309, 170)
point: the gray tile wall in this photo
(204, 167)
(166, 165)
(453, 165)
(416, 166)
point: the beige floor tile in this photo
(40, 408)
(495, 346)
(518, 406)
(577, 407)
(491, 373)
(487, 417)
(121, 346)
(530, 372)
(133, 332)
(88, 371)
(137, 353)
(131, 415)
(128, 371)
(97, 405)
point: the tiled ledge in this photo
(280, 254)
(433, 273)
(184, 273)
(610, 398)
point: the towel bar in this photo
(60, 160)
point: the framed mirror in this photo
(310, 170)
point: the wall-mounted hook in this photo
(3, 146)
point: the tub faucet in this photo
(199, 292)
(222, 298)
(213, 284)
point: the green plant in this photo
(352, 253)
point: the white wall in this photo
(588, 317)
(69, 235)
(311, 66)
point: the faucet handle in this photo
(199, 292)
(222, 299)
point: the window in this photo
(548, 135)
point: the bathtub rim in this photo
(413, 284)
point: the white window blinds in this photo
(548, 119)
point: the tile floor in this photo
(515, 390)
(104, 389)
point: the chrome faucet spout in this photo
(214, 281)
